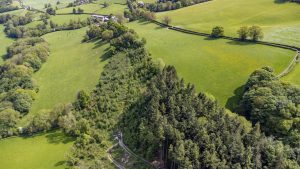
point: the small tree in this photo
(255, 33)
(167, 20)
(107, 34)
(51, 11)
(217, 32)
(74, 11)
(120, 18)
(106, 4)
(243, 33)
(79, 10)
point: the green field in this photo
(39, 4)
(96, 8)
(294, 75)
(43, 151)
(71, 66)
(280, 21)
(5, 42)
(219, 66)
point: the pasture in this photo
(279, 20)
(71, 66)
(96, 8)
(5, 42)
(39, 4)
(43, 151)
(294, 75)
(218, 67)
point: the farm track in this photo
(120, 143)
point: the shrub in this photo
(167, 20)
(107, 34)
(243, 33)
(255, 33)
(217, 32)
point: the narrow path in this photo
(290, 66)
(119, 138)
(117, 164)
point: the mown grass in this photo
(39, 4)
(280, 21)
(4, 43)
(43, 151)
(72, 66)
(218, 66)
(294, 75)
(96, 8)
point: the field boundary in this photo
(288, 69)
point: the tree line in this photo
(6, 6)
(15, 26)
(17, 87)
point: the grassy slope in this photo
(44, 151)
(5, 42)
(294, 76)
(39, 4)
(72, 66)
(96, 8)
(280, 21)
(214, 66)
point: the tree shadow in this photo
(240, 43)
(60, 163)
(233, 102)
(143, 22)
(280, 1)
(210, 38)
(58, 137)
(108, 54)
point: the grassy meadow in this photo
(218, 66)
(43, 151)
(294, 75)
(279, 20)
(96, 8)
(71, 66)
(5, 42)
(39, 4)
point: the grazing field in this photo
(219, 66)
(39, 4)
(61, 19)
(72, 66)
(43, 151)
(5, 42)
(96, 8)
(280, 21)
(294, 75)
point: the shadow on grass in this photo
(280, 1)
(233, 102)
(58, 137)
(240, 43)
(210, 38)
(60, 163)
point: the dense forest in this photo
(274, 104)
(190, 130)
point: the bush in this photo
(255, 33)
(243, 33)
(167, 20)
(107, 34)
(217, 32)
(8, 122)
